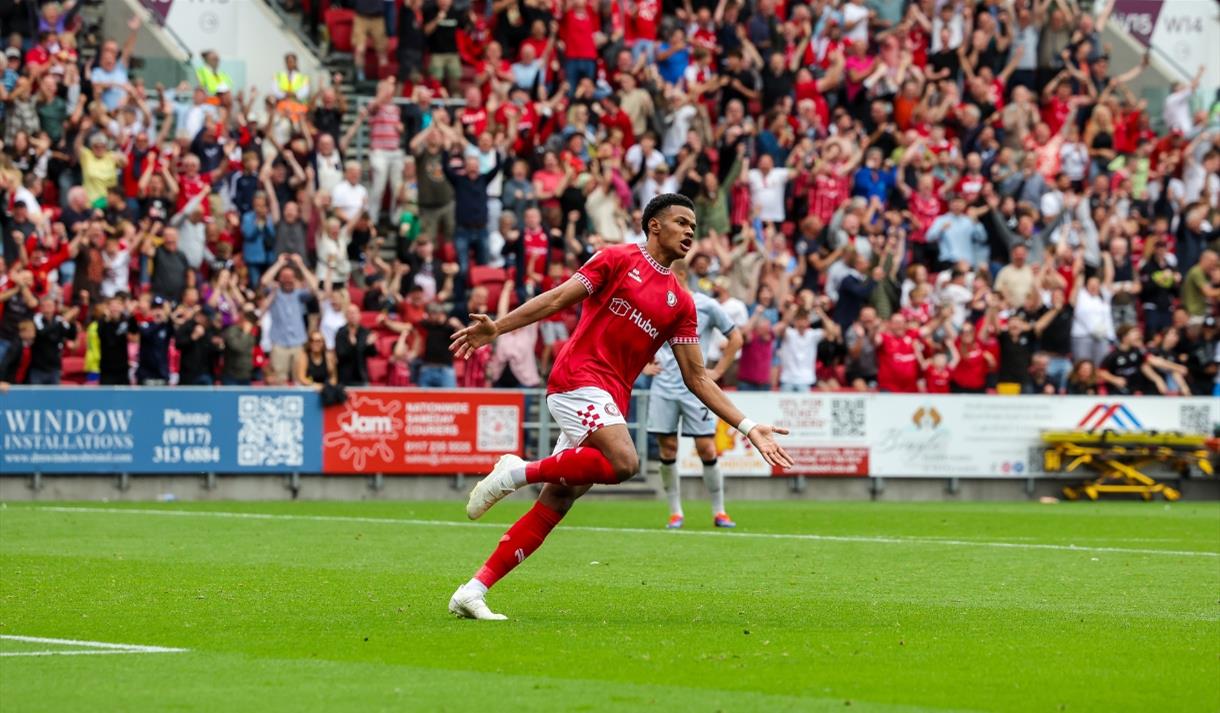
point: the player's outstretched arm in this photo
(703, 386)
(483, 329)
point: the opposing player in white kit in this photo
(671, 405)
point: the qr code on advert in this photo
(272, 430)
(847, 418)
(499, 429)
(1195, 419)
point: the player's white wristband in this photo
(747, 424)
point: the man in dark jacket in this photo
(113, 333)
(854, 293)
(470, 208)
(197, 351)
(155, 336)
(53, 330)
(171, 273)
(354, 344)
(238, 342)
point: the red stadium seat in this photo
(482, 275)
(357, 296)
(339, 27)
(373, 68)
(491, 278)
(385, 343)
(73, 370)
(378, 368)
(369, 319)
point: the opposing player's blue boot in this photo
(675, 522)
(723, 520)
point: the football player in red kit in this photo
(633, 306)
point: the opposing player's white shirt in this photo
(712, 320)
(739, 314)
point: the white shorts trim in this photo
(580, 412)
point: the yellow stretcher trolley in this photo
(1119, 458)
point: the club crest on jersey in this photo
(635, 275)
(670, 298)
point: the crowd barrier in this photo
(437, 432)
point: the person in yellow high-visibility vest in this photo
(292, 88)
(292, 83)
(209, 74)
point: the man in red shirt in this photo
(473, 116)
(522, 110)
(975, 361)
(613, 117)
(535, 246)
(643, 21)
(634, 305)
(897, 363)
(39, 56)
(580, 34)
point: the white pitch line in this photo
(97, 647)
(639, 530)
(82, 653)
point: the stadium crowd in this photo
(900, 195)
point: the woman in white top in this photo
(332, 304)
(327, 165)
(1092, 321)
(1074, 158)
(767, 185)
(333, 265)
(798, 352)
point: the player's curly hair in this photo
(660, 204)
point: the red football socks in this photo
(521, 540)
(574, 466)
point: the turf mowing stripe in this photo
(639, 530)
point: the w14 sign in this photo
(149, 430)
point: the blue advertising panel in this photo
(160, 430)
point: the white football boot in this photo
(497, 485)
(469, 604)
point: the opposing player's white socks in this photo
(672, 484)
(714, 480)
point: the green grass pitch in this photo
(806, 606)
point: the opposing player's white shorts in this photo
(553, 332)
(665, 413)
(580, 412)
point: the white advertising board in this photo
(920, 435)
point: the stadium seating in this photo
(339, 27)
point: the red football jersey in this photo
(936, 380)
(972, 369)
(634, 306)
(897, 365)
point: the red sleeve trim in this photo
(579, 277)
(684, 340)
